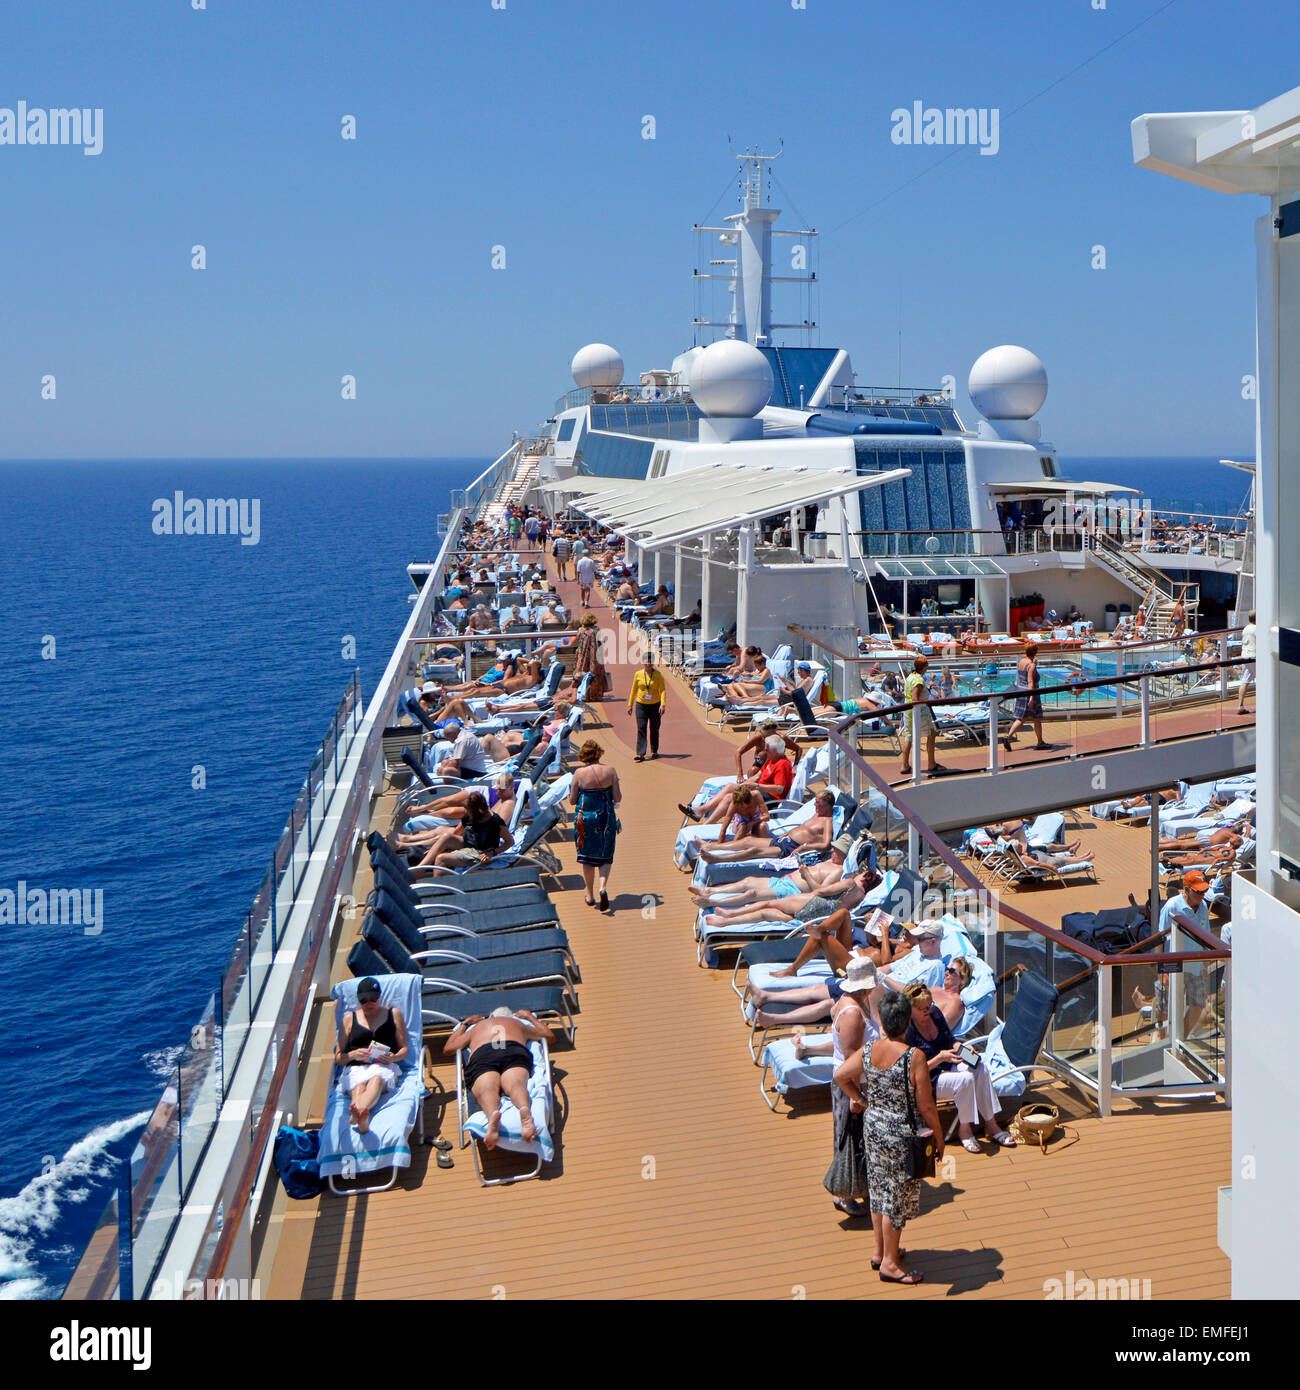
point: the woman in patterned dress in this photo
(896, 1082)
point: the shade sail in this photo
(699, 502)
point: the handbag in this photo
(921, 1149)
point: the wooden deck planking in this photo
(735, 1209)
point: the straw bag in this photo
(1035, 1124)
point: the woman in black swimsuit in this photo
(366, 1069)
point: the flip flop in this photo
(875, 1264)
(913, 1276)
(446, 1161)
(442, 1145)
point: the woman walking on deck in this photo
(1029, 705)
(595, 793)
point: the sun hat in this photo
(921, 930)
(429, 688)
(860, 976)
(843, 843)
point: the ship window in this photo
(1049, 466)
(566, 430)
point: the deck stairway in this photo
(514, 491)
(1156, 589)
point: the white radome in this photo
(1008, 383)
(731, 379)
(683, 363)
(597, 364)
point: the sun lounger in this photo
(790, 1073)
(443, 1011)
(441, 973)
(473, 1123)
(346, 1153)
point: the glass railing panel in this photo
(156, 1195)
(200, 1091)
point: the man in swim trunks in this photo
(758, 888)
(800, 907)
(812, 836)
(499, 1060)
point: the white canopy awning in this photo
(717, 497)
(1057, 487)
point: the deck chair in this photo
(381, 852)
(344, 1151)
(440, 973)
(472, 1122)
(1013, 1050)
(790, 1073)
(479, 915)
(1018, 869)
(442, 1012)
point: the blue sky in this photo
(523, 127)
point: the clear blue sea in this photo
(170, 652)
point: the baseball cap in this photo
(803, 666)
(1196, 880)
(368, 989)
(924, 929)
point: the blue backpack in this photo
(297, 1161)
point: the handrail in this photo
(1004, 909)
(1020, 691)
(873, 657)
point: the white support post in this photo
(1144, 690)
(994, 746)
(1104, 1031)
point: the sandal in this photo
(971, 1146)
(1005, 1138)
(913, 1276)
(442, 1145)
(850, 1208)
(446, 1161)
(604, 901)
(688, 811)
(875, 1264)
(591, 902)
(1041, 746)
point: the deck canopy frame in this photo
(723, 497)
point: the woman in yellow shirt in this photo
(649, 698)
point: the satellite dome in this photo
(1008, 383)
(731, 378)
(597, 364)
(683, 363)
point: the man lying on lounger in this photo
(773, 779)
(801, 907)
(500, 1060)
(1018, 830)
(812, 836)
(763, 888)
(1221, 847)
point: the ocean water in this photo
(130, 659)
(1170, 484)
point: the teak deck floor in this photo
(674, 1180)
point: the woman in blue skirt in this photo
(595, 793)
